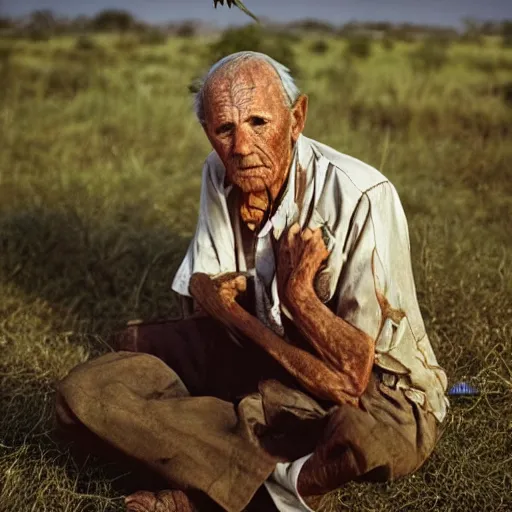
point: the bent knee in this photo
(106, 379)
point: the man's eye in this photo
(224, 129)
(258, 121)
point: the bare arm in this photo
(315, 375)
(343, 347)
(347, 349)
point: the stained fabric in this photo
(220, 417)
(366, 231)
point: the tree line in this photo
(45, 23)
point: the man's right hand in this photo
(227, 286)
(230, 285)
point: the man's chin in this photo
(250, 184)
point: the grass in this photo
(99, 184)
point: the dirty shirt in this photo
(366, 233)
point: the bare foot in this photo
(164, 501)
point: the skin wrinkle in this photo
(248, 131)
(248, 122)
(241, 97)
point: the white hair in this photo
(291, 91)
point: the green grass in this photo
(100, 160)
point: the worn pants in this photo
(208, 414)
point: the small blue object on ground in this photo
(463, 389)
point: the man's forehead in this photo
(248, 76)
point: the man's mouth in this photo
(249, 168)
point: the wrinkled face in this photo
(249, 125)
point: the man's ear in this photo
(299, 114)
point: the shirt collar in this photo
(287, 212)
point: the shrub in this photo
(113, 20)
(5, 69)
(186, 29)
(403, 34)
(359, 47)
(85, 43)
(313, 25)
(490, 66)
(41, 25)
(126, 43)
(387, 43)
(254, 38)
(6, 53)
(506, 32)
(342, 78)
(503, 90)
(320, 46)
(429, 56)
(37, 35)
(290, 36)
(5, 23)
(153, 37)
(67, 81)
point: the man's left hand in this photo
(301, 255)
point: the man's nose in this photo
(241, 142)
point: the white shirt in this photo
(368, 240)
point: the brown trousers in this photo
(209, 414)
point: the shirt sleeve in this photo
(212, 249)
(379, 262)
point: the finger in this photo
(241, 283)
(317, 238)
(307, 234)
(315, 249)
(293, 232)
(290, 242)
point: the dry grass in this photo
(99, 180)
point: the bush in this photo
(153, 37)
(342, 78)
(320, 46)
(290, 36)
(6, 53)
(5, 23)
(186, 29)
(387, 43)
(403, 34)
(313, 25)
(85, 43)
(126, 43)
(67, 81)
(254, 38)
(113, 20)
(429, 56)
(38, 35)
(41, 25)
(359, 47)
(506, 32)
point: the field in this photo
(100, 160)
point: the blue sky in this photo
(439, 12)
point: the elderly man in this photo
(303, 362)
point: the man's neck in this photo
(259, 206)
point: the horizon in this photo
(337, 12)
